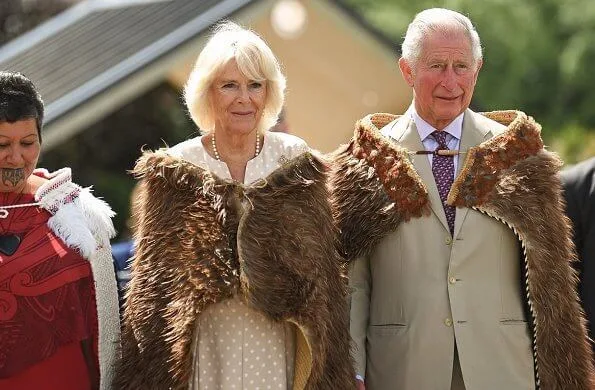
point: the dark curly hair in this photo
(19, 100)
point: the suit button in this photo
(452, 280)
(448, 240)
(448, 322)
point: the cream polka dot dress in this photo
(236, 347)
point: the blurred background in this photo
(111, 71)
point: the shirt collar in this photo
(454, 128)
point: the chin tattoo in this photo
(13, 176)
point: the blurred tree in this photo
(537, 55)
(20, 16)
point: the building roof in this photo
(93, 45)
(97, 44)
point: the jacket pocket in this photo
(513, 321)
(387, 329)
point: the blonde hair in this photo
(255, 60)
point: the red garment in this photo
(47, 305)
(64, 370)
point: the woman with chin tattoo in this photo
(58, 298)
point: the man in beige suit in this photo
(453, 225)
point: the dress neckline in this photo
(12, 198)
(212, 159)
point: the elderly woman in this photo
(58, 298)
(236, 283)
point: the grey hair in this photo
(437, 19)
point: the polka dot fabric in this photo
(443, 169)
(239, 348)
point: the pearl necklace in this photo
(216, 153)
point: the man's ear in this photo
(406, 71)
(479, 65)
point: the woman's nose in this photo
(15, 156)
(243, 94)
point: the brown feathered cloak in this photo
(509, 177)
(201, 240)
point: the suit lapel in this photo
(404, 131)
(472, 135)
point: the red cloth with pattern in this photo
(47, 306)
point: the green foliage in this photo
(20, 16)
(574, 143)
(537, 56)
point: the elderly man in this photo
(453, 225)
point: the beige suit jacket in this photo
(420, 291)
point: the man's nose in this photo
(449, 79)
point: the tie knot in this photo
(440, 137)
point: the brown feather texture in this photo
(510, 177)
(202, 239)
(373, 183)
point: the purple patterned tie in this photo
(444, 170)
